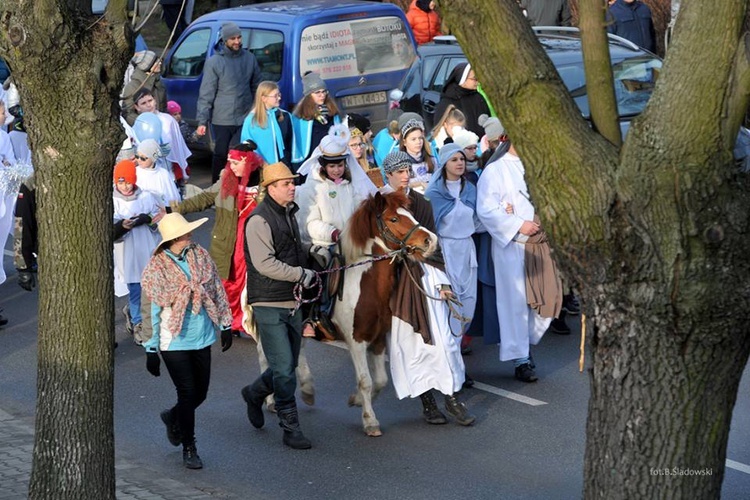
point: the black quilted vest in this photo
(288, 249)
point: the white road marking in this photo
(507, 394)
(738, 466)
(7, 252)
(477, 385)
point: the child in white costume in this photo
(135, 241)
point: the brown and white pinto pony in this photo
(381, 224)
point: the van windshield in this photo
(357, 47)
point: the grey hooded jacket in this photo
(228, 87)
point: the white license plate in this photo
(354, 101)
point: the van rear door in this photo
(361, 56)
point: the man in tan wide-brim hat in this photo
(276, 262)
(276, 172)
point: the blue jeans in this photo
(134, 302)
(281, 337)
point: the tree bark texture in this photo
(656, 234)
(68, 67)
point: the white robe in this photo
(159, 182)
(460, 255)
(133, 251)
(170, 134)
(417, 367)
(7, 200)
(502, 182)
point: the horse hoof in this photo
(308, 398)
(373, 431)
(353, 400)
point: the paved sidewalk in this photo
(134, 482)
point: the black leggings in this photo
(191, 373)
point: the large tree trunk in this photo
(656, 234)
(68, 67)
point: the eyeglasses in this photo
(356, 146)
(274, 96)
(142, 158)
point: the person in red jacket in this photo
(424, 21)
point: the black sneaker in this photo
(468, 382)
(190, 458)
(3, 320)
(571, 305)
(525, 373)
(173, 428)
(559, 326)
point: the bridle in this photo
(388, 235)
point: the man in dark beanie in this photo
(227, 91)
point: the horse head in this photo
(386, 221)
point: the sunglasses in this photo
(142, 158)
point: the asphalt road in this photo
(528, 441)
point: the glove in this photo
(320, 255)
(141, 219)
(226, 339)
(26, 280)
(307, 278)
(152, 363)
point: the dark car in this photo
(635, 72)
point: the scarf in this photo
(167, 285)
(322, 114)
(543, 285)
(270, 140)
(443, 201)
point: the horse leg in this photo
(379, 374)
(305, 379)
(358, 351)
(270, 403)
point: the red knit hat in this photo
(125, 170)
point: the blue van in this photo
(361, 49)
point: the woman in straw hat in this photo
(189, 304)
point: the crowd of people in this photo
(284, 187)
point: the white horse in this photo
(381, 226)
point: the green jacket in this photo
(224, 233)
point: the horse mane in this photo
(362, 228)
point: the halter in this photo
(388, 235)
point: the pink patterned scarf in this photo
(167, 285)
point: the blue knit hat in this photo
(447, 151)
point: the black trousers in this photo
(190, 372)
(171, 13)
(26, 212)
(224, 136)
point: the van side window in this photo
(267, 47)
(190, 56)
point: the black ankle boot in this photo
(190, 458)
(458, 411)
(174, 435)
(289, 421)
(430, 411)
(254, 395)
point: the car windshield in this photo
(357, 47)
(634, 80)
